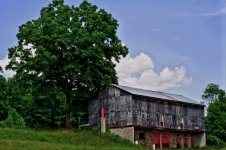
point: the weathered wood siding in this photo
(122, 109)
(117, 105)
(150, 112)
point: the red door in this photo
(156, 139)
(178, 141)
(185, 141)
(165, 140)
(192, 142)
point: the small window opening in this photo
(182, 126)
(142, 115)
(182, 123)
(141, 136)
(162, 122)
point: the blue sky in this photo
(179, 43)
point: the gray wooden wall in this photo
(150, 112)
(121, 109)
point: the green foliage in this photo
(213, 140)
(41, 107)
(4, 106)
(213, 93)
(69, 49)
(13, 120)
(216, 112)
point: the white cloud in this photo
(6, 73)
(4, 61)
(140, 72)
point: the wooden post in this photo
(160, 140)
(102, 120)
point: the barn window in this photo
(162, 122)
(182, 123)
(142, 115)
(141, 136)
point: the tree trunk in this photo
(68, 111)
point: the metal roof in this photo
(156, 94)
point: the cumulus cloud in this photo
(6, 73)
(4, 62)
(140, 72)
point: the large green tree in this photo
(216, 111)
(70, 48)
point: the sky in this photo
(176, 46)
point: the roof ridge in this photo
(167, 95)
(170, 93)
(133, 87)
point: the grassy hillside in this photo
(85, 139)
(11, 139)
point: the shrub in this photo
(13, 120)
(213, 140)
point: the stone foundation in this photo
(175, 139)
(124, 132)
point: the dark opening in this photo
(142, 115)
(161, 124)
(141, 136)
(182, 126)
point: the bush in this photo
(220, 133)
(213, 140)
(13, 120)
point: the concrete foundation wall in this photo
(133, 135)
(124, 132)
(201, 140)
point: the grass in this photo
(61, 139)
(88, 139)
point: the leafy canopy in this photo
(216, 111)
(70, 48)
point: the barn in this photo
(150, 117)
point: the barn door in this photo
(185, 141)
(165, 140)
(193, 141)
(178, 141)
(156, 139)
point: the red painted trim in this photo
(102, 111)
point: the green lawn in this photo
(85, 139)
(11, 139)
